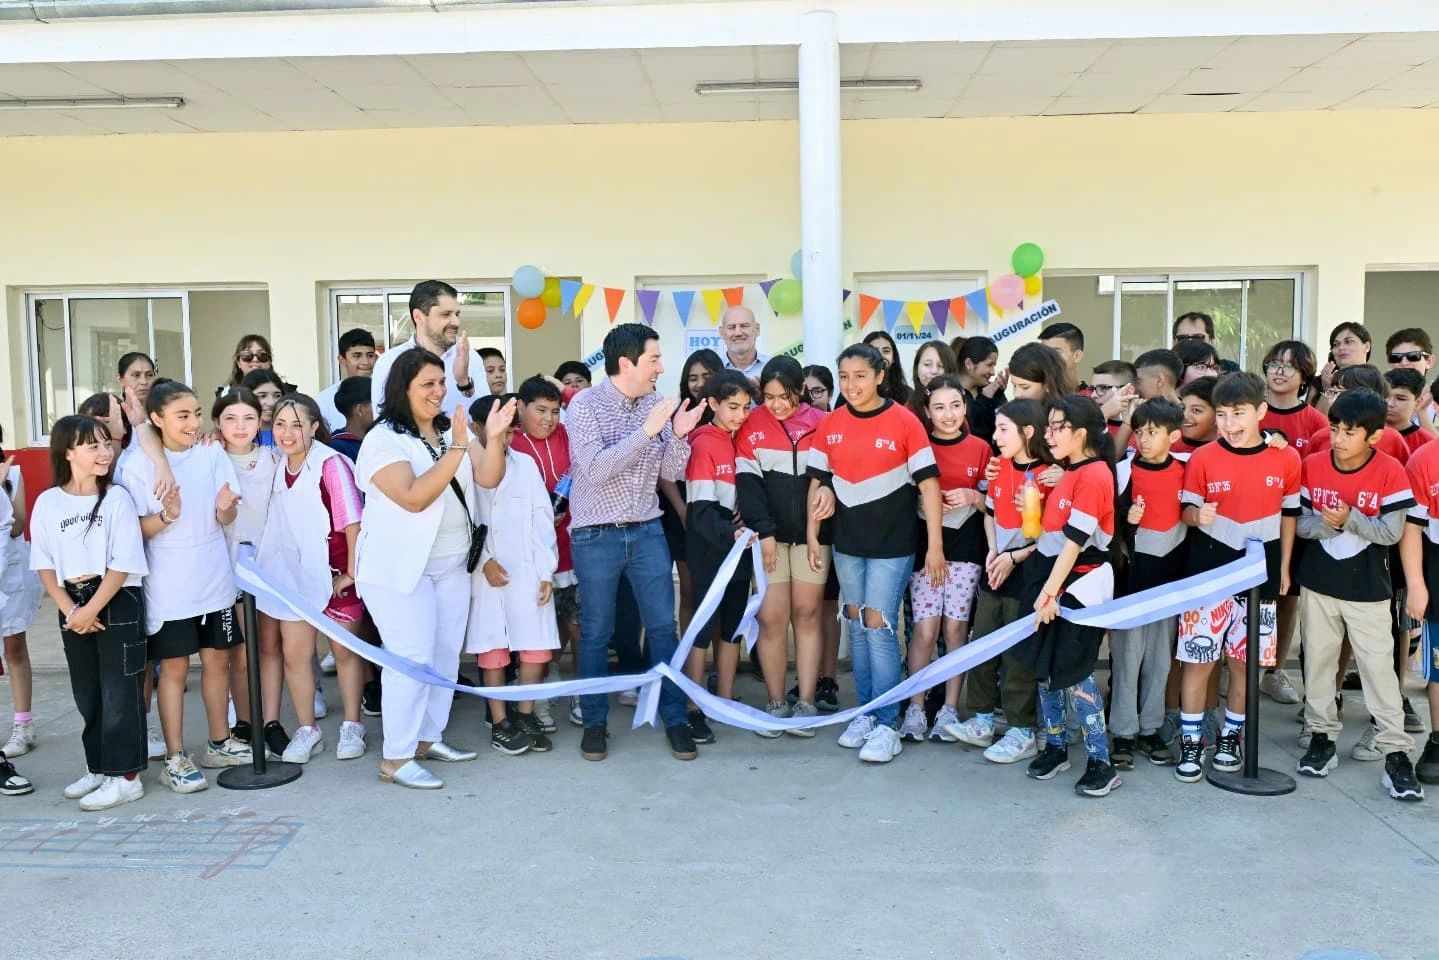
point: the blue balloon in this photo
(529, 281)
(796, 265)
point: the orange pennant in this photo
(867, 306)
(734, 296)
(957, 308)
(613, 298)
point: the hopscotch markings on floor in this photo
(235, 840)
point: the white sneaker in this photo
(575, 717)
(22, 740)
(1016, 744)
(977, 731)
(321, 711)
(327, 665)
(306, 742)
(113, 792)
(155, 748)
(1276, 687)
(181, 775)
(1366, 749)
(628, 698)
(231, 753)
(87, 783)
(352, 741)
(915, 725)
(946, 715)
(881, 746)
(854, 735)
(544, 717)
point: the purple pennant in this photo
(766, 284)
(846, 296)
(891, 310)
(648, 299)
(939, 309)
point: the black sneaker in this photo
(1052, 760)
(1399, 777)
(792, 697)
(1226, 753)
(510, 738)
(1152, 745)
(1191, 761)
(700, 730)
(1320, 758)
(370, 700)
(276, 740)
(530, 724)
(1428, 767)
(11, 783)
(592, 743)
(682, 743)
(241, 731)
(1121, 754)
(826, 695)
(1412, 721)
(1099, 778)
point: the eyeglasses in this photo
(1333, 392)
(1211, 367)
(1283, 369)
(1058, 426)
(1099, 388)
(816, 392)
(1411, 356)
(1181, 337)
(257, 357)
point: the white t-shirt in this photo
(190, 568)
(63, 539)
(256, 472)
(326, 399)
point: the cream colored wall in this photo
(295, 212)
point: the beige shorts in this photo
(794, 565)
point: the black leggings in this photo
(107, 677)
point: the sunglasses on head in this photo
(256, 357)
(1410, 356)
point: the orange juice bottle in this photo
(1032, 510)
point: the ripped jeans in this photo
(1088, 707)
(873, 585)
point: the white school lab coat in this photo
(294, 549)
(522, 540)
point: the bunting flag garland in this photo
(684, 300)
(614, 296)
(939, 309)
(764, 286)
(957, 309)
(915, 310)
(841, 299)
(713, 300)
(648, 299)
(734, 296)
(978, 303)
(582, 299)
(867, 306)
(891, 313)
(568, 289)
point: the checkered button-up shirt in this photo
(614, 464)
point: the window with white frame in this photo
(384, 310)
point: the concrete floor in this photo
(762, 848)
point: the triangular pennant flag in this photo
(846, 296)
(734, 296)
(766, 284)
(957, 310)
(915, 309)
(867, 305)
(568, 289)
(582, 299)
(648, 299)
(613, 298)
(891, 312)
(939, 309)
(978, 302)
(684, 299)
(712, 299)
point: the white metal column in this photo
(819, 179)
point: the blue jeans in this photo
(868, 583)
(639, 552)
(1090, 708)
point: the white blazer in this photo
(394, 544)
(295, 546)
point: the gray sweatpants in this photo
(1139, 664)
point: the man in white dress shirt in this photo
(435, 312)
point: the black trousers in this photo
(107, 678)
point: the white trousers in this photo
(426, 625)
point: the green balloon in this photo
(786, 296)
(1027, 259)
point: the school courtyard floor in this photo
(781, 848)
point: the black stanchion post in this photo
(1254, 780)
(260, 774)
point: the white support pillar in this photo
(819, 185)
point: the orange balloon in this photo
(531, 314)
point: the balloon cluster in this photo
(539, 293)
(1008, 291)
(787, 295)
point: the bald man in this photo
(740, 332)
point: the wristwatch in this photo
(467, 387)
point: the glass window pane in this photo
(1222, 300)
(1089, 308)
(1143, 317)
(398, 309)
(1270, 318)
(359, 310)
(168, 317)
(53, 375)
(482, 316)
(101, 331)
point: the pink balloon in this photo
(1007, 291)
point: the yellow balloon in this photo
(551, 296)
(1032, 285)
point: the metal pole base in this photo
(1264, 783)
(274, 775)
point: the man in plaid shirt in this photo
(623, 438)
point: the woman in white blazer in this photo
(420, 504)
